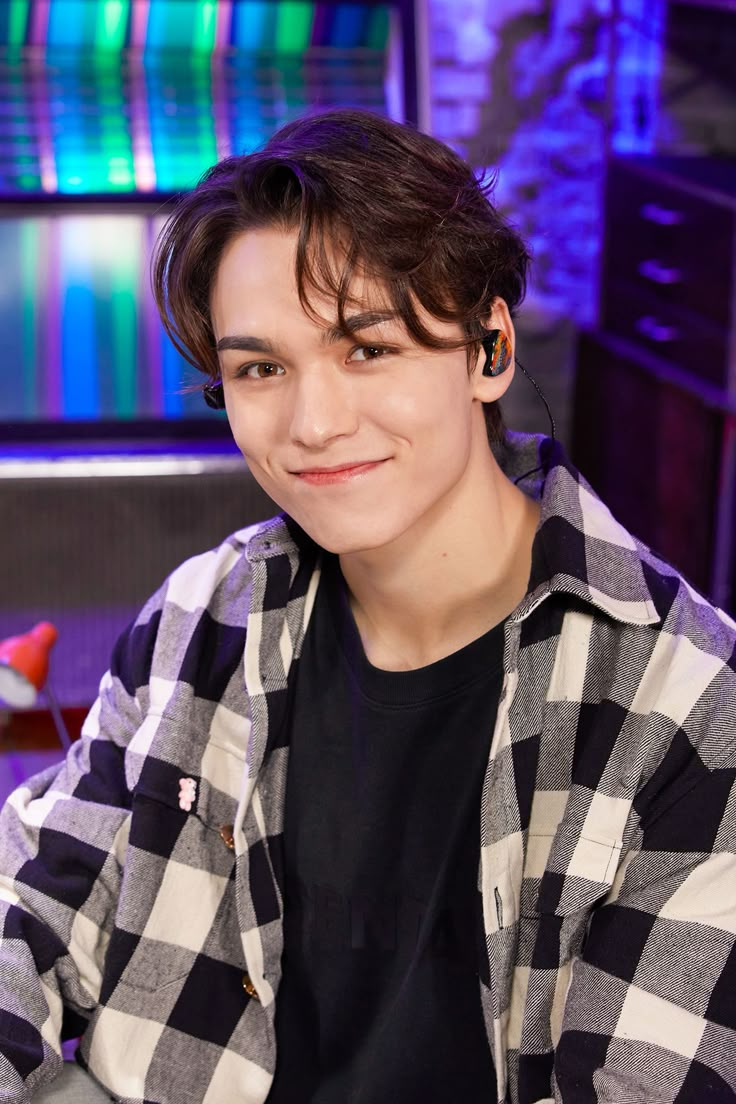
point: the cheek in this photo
(434, 414)
(418, 408)
(248, 430)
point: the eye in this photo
(368, 352)
(262, 370)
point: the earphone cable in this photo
(553, 434)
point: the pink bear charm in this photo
(187, 793)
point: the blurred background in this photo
(611, 125)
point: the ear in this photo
(490, 388)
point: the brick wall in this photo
(539, 91)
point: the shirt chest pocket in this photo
(178, 897)
(567, 873)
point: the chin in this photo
(343, 540)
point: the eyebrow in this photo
(354, 324)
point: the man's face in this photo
(362, 440)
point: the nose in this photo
(323, 408)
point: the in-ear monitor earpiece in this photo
(497, 348)
(214, 396)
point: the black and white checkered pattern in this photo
(607, 882)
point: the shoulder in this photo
(205, 601)
(689, 625)
(686, 689)
(219, 579)
(200, 582)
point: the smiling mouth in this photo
(337, 474)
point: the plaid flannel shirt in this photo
(607, 881)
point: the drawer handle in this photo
(663, 216)
(660, 274)
(656, 331)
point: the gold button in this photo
(226, 834)
(250, 987)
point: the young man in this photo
(422, 790)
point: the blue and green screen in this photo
(109, 99)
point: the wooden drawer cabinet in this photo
(669, 268)
(661, 453)
(664, 330)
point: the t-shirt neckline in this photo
(480, 659)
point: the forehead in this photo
(255, 292)
(260, 265)
(271, 247)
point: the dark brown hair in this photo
(396, 204)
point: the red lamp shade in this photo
(24, 664)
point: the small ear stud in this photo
(214, 396)
(497, 348)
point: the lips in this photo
(336, 467)
(339, 473)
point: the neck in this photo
(434, 591)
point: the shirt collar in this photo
(277, 536)
(579, 548)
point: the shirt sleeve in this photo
(651, 1008)
(63, 838)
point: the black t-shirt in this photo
(380, 997)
